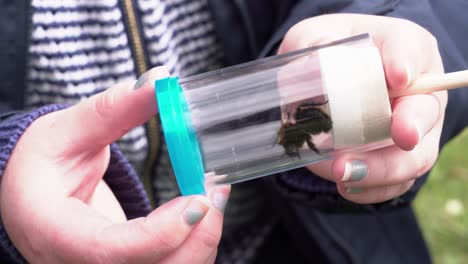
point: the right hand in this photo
(57, 209)
(408, 51)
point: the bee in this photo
(309, 120)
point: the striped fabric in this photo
(180, 35)
(79, 48)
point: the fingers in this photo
(374, 195)
(387, 166)
(202, 242)
(191, 225)
(385, 173)
(381, 174)
(408, 51)
(150, 239)
(413, 117)
(176, 232)
(201, 245)
(105, 117)
(403, 60)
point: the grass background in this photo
(442, 204)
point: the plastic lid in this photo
(181, 140)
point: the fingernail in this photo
(409, 74)
(194, 212)
(141, 81)
(420, 134)
(354, 190)
(355, 170)
(219, 198)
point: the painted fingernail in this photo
(219, 198)
(355, 170)
(354, 190)
(141, 81)
(195, 212)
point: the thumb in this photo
(77, 232)
(107, 116)
(150, 239)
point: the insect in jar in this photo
(309, 120)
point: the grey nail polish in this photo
(354, 190)
(142, 80)
(359, 170)
(356, 170)
(219, 201)
(193, 216)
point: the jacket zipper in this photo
(152, 126)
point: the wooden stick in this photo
(434, 83)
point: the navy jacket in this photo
(313, 227)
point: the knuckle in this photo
(383, 194)
(394, 173)
(167, 240)
(425, 156)
(432, 40)
(105, 106)
(427, 163)
(390, 192)
(391, 174)
(406, 187)
(443, 95)
(408, 23)
(104, 103)
(407, 26)
(418, 30)
(100, 253)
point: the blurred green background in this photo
(442, 204)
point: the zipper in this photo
(152, 126)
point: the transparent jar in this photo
(275, 114)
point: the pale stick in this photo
(434, 83)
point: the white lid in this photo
(354, 80)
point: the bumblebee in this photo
(309, 120)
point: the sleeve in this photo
(120, 175)
(304, 186)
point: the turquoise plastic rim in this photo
(180, 136)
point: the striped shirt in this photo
(80, 48)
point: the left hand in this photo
(56, 207)
(408, 51)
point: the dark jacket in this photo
(315, 226)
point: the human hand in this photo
(408, 51)
(57, 209)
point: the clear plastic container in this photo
(275, 114)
